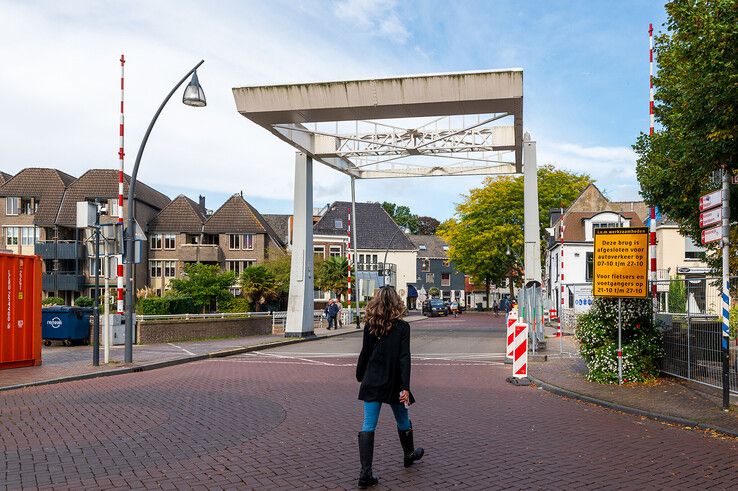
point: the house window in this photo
(430, 277)
(590, 266)
(192, 239)
(155, 241)
(446, 263)
(113, 207)
(12, 205)
(335, 251)
(155, 269)
(169, 242)
(234, 242)
(248, 242)
(338, 223)
(691, 250)
(239, 266)
(604, 225)
(319, 250)
(11, 235)
(556, 265)
(170, 269)
(425, 265)
(28, 206)
(28, 236)
(361, 258)
(445, 279)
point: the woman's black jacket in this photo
(384, 365)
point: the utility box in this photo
(20, 319)
(117, 331)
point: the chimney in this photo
(202, 202)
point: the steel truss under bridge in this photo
(462, 124)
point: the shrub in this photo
(677, 296)
(235, 305)
(166, 305)
(83, 301)
(434, 292)
(49, 301)
(597, 332)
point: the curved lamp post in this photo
(193, 96)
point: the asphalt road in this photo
(287, 418)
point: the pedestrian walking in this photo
(496, 308)
(340, 312)
(383, 369)
(331, 310)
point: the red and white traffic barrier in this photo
(520, 360)
(512, 319)
(553, 314)
(121, 155)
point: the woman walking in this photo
(384, 372)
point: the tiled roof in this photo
(374, 227)
(280, 224)
(638, 207)
(574, 223)
(434, 246)
(46, 185)
(180, 215)
(103, 183)
(238, 216)
(4, 177)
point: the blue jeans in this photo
(371, 416)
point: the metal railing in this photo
(689, 311)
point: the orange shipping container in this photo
(20, 316)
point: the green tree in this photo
(332, 275)
(696, 106)
(486, 234)
(205, 284)
(258, 285)
(402, 216)
(280, 267)
(433, 292)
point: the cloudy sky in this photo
(585, 62)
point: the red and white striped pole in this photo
(652, 222)
(121, 155)
(561, 303)
(348, 257)
(650, 79)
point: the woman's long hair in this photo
(383, 310)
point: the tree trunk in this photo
(486, 284)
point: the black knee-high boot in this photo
(366, 456)
(409, 451)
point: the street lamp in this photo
(193, 96)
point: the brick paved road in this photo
(287, 419)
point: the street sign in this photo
(711, 217)
(713, 234)
(620, 262)
(711, 200)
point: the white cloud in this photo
(378, 17)
(612, 167)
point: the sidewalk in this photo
(62, 363)
(669, 399)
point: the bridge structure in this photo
(439, 125)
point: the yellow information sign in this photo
(620, 262)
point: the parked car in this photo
(434, 307)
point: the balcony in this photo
(206, 253)
(61, 281)
(63, 249)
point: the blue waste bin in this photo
(68, 324)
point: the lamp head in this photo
(193, 93)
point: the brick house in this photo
(40, 218)
(435, 270)
(234, 237)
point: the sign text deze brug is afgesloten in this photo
(620, 262)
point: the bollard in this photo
(520, 354)
(512, 319)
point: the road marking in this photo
(291, 358)
(297, 361)
(185, 350)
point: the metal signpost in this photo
(620, 270)
(711, 215)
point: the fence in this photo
(689, 310)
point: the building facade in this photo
(435, 270)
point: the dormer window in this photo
(445, 248)
(338, 223)
(422, 247)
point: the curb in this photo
(631, 410)
(176, 361)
